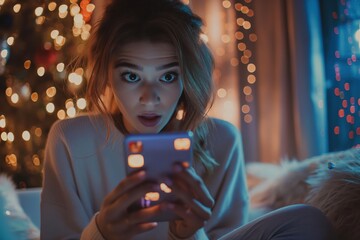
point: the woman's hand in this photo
(196, 205)
(113, 220)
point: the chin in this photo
(149, 129)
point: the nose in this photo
(149, 95)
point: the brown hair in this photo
(156, 20)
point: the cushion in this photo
(330, 182)
(279, 185)
(15, 224)
(335, 190)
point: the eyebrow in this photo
(137, 67)
(169, 65)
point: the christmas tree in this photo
(38, 41)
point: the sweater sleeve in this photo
(228, 182)
(199, 235)
(62, 213)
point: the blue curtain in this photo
(341, 28)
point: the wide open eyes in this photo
(130, 77)
(133, 77)
(169, 77)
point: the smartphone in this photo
(156, 154)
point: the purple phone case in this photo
(156, 153)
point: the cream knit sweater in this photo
(81, 167)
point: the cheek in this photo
(123, 97)
(176, 91)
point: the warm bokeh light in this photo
(50, 107)
(26, 135)
(10, 137)
(2, 121)
(33, 60)
(41, 71)
(54, 34)
(39, 11)
(36, 160)
(34, 96)
(27, 64)
(52, 6)
(221, 93)
(14, 98)
(10, 40)
(226, 4)
(3, 136)
(71, 112)
(60, 67)
(38, 132)
(81, 103)
(17, 8)
(61, 114)
(51, 92)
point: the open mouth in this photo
(149, 120)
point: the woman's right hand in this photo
(113, 220)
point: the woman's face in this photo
(146, 84)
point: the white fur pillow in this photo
(15, 224)
(336, 192)
(278, 185)
(330, 182)
(286, 183)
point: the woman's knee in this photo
(311, 221)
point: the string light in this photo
(17, 8)
(26, 135)
(39, 11)
(81, 103)
(52, 6)
(2, 121)
(50, 107)
(41, 71)
(61, 114)
(246, 37)
(47, 65)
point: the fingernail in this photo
(141, 174)
(168, 182)
(185, 164)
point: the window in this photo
(341, 28)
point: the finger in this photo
(196, 206)
(127, 231)
(126, 184)
(141, 228)
(195, 183)
(187, 215)
(147, 214)
(120, 206)
(140, 219)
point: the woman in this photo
(146, 65)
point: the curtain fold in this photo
(290, 90)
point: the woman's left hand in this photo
(196, 202)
